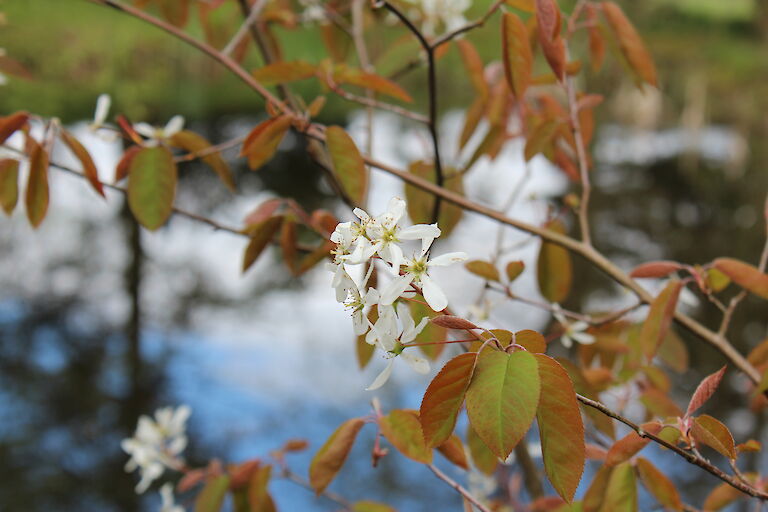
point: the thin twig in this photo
(373, 103)
(469, 26)
(242, 32)
(461, 490)
(581, 154)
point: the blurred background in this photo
(101, 322)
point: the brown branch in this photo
(469, 26)
(688, 456)
(245, 28)
(456, 486)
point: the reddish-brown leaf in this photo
(532, 341)
(631, 43)
(704, 391)
(626, 447)
(9, 124)
(431, 331)
(655, 269)
(518, 57)
(484, 269)
(259, 498)
(348, 164)
(548, 18)
(658, 485)
(89, 168)
(262, 143)
(514, 269)
(750, 446)
(194, 143)
(745, 275)
(211, 496)
(402, 428)
(453, 322)
(374, 82)
(9, 184)
(472, 119)
(722, 496)
(474, 65)
(560, 428)
(541, 139)
(711, 432)
(442, 401)
(124, 165)
(175, 11)
(596, 41)
(284, 72)
(261, 234)
(331, 456)
(595, 495)
(36, 197)
(553, 270)
(453, 450)
(659, 318)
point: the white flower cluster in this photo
(448, 12)
(381, 237)
(157, 444)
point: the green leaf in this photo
(621, 491)
(211, 497)
(259, 498)
(484, 269)
(553, 269)
(9, 184)
(442, 401)
(284, 72)
(348, 164)
(431, 331)
(421, 204)
(482, 457)
(331, 456)
(261, 234)
(595, 495)
(403, 430)
(152, 186)
(261, 144)
(745, 275)
(658, 485)
(518, 57)
(708, 430)
(194, 143)
(659, 318)
(560, 428)
(502, 398)
(36, 197)
(89, 168)
(371, 506)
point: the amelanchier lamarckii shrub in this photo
(381, 265)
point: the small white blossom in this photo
(572, 331)
(393, 347)
(156, 134)
(449, 13)
(168, 502)
(103, 103)
(157, 444)
(416, 271)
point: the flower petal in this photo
(433, 294)
(382, 377)
(145, 129)
(447, 259)
(395, 288)
(583, 338)
(174, 126)
(419, 364)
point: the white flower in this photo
(449, 12)
(157, 444)
(357, 303)
(396, 349)
(166, 495)
(341, 281)
(156, 134)
(416, 271)
(103, 103)
(572, 331)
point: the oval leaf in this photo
(331, 456)
(632, 46)
(89, 168)
(483, 269)
(502, 398)
(403, 430)
(36, 197)
(705, 390)
(560, 428)
(484, 460)
(658, 485)
(9, 184)
(532, 341)
(553, 268)
(261, 234)
(621, 491)
(655, 269)
(626, 447)
(262, 143)
(518, 57)
(453, 322)
(474, 65)
(152, 186)
(348, 164)
(659, 318)
(709, 431)
(453, 450)
(514, 269)
(194, 143)
(211, 497)
(442, 401)
(745, 275)
(9, 124)
(284, 72)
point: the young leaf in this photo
(124, 165)
(502, 398)
(258, 494)
(560, 428)
(658, 485)
(431, 331)
(549, 20)
(262, 143)
(261, 234)
(453, 450)
(442, 401)
(152, 186)
(9, 124)
(707, 430)
(541, 138)
(631, 43)
(348, 164)
(705, 390)
(745, 275)
(595, 495)
(621, 491)
(330, 458)
(626, 447)
(211, 497)
(655, 269)
(721, 496)
(514, 269)
(36, 197)
(532, 341)
(453, 322)
(9, 184)
(284, 72)
(518, 57)
(403, 430)
(482, 457)
(376, 83)
(596, 42)
(89, 168)
(553, 268)
(659, 318)
(483, 269)
(474, 65)
(194, 143)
